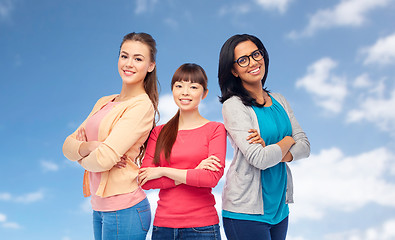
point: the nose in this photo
(129, 62)
(252, 61)
(185, 91)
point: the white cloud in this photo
(349, 13)
(239, 9)
(171, 23)
(5, 224)
(327, 89)
(48, 166)
(375, 108)
(6, 7)
(362, 81)
(280, 5)
(11, 225)
(30, 197)
(167, 108)
(384, 232)
(86, 206)
(382, 52)
(332, 181)
(243, 8)
(3, 217)
(5, 196)
(143, 6)
(26, 198)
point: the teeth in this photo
(254, 71)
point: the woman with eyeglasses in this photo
(258, 184)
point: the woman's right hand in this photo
(211, 163)
(122, 163)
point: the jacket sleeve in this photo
(135, 122)
(71, 145)
(159, 183)
(238, 120)
(301, 148)
(217, 147)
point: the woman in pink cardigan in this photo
(185, 159)
(117, 128)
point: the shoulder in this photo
(106, 99)
(157, 129)
(277, 96)
(141, 103)
(213, 127)
(233, 100)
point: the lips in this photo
(185, 101)
(128, 72)
(255, 71)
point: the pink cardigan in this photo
(122, 132)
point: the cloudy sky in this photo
(333, 60)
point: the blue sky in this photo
(333, 60)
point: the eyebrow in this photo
(135, 55)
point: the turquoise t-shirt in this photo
(274, 125)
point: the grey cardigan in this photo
(243, 188)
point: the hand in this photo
(122, 163)
(86, 147)
(254, 137)
(211, 163)
(81, 135)
(146, 174)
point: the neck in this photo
(256, 91)
(190, 120)
(130, 91)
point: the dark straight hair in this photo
(188, 72)
(228, 83)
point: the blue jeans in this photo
(195, 233)
(126, 224)
(243, 229)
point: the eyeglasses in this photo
(244, 61)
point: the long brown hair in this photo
(150, 81)
(188, 72)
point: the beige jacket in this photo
(122, 132)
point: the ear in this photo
(205, 94)
(151, 67)
(234, 73)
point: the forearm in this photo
(178, 175)
(288, 157)
(285, 144)
(87, 147)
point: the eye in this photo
(242, 60)
(194, 87)
(137, 59)
(256, 54)
(124, 56)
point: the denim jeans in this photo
(195, 233)
(243, 229)
(126, 224)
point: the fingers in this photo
(81, 135)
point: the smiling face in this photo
(252, 74)
(187, 95)
(134, 62)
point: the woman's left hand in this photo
(146, 174)
(254, 137)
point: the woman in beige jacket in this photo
(117, 128)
